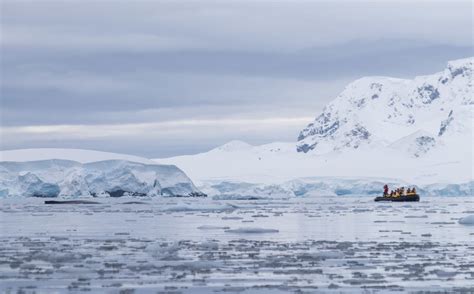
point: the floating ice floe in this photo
(164, 251)
(445, 274)
(252, 231)
(327, 254)
(468, 220)
(201, 208)
(211, 227)
(208, 245)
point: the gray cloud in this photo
(270, 25)
(87, 86)
(102, 63)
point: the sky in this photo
(166, 78)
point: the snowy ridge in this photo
(68, 178)
(277, 163)
(79, 155)
(277, 170)
(234, 145)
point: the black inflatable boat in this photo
(405, 198)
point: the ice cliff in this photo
(67, 178)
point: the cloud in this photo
(205, 133)
(237, 25)
(167, 127)
(179, 76)
(54, 39)
(87, 98)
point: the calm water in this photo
(324, 244)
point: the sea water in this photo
(201, 245)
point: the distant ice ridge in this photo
(79, 155)
(264, 168)
(69, 178)
(326, 186)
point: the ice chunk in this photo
(329, 254)
(252, 231)
(209, 245)
(468, 220)
(164, 251)
(210, 227)
(195, 207)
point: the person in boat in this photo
(391, 193)
(385, 190)
(408, 191)
(413, 191)
(402, 191)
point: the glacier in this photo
(324, 186)
(114, 178)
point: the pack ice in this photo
(73, 173)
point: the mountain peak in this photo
(461, 63)
(234, 145)
(384, 109)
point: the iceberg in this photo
(467, 220)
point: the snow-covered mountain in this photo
(237, 168)
(379, 129)
(74, 172)
(423, 113)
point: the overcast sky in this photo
(163, 78)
